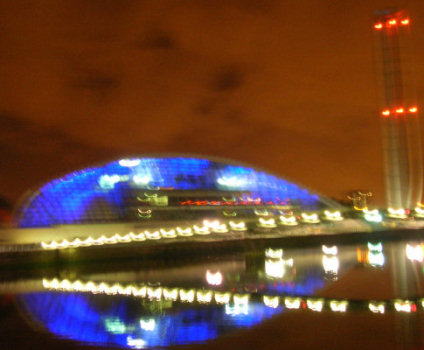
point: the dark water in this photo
(169, 303)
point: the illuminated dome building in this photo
(164, 189)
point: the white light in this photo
(214, 279)
(329, 250)
(204, 296)
(141, 179)
(237, 309)
(315, 304)
(274, 268)
(187, 295)
(154, 293)
(378, 247)
(238, 226)
(201, 230)
(288, 220)
(261, 212)
(271, 301)
(338, 306)
(168, 233)
(372, 215)
(377, 308)
(170, 294)
(107, 182)
(292, 303)
(241, 299)
(268, 223)
(273, 253)
(310, 218)
(397, 213)
(220, 228)
(333, 216)
(152, 235)
(232, 181)
(419, 212)
(330, 264)
(414, 253)
(148, 325)
(184, 232)
(136, 343)
(222, 298)
(376, 258)
(129, 162)
(403, 305)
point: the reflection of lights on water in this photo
(148, 325)
(315, 304)
(338, 306)
(377, 308)
(292, 303)
(214, 279)
(115, 326)
(273, 253)
(376, 258)
(329, 250)
(271, 301)
(141, 179)
(414, 253)
(136, 343)
(237, 309)
(275, 268)
(330, 264)
(405, 306)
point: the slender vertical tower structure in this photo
(402, 154)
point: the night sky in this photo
(289, 86)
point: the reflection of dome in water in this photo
(141, 189)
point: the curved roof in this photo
(98, 194)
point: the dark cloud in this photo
(228, 77)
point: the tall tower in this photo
(402, 157)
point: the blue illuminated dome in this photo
(161, 188)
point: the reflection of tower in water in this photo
(399, 121)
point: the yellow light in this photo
(268, 223)
(222, 298)
(378, 26)
(241, 299)
(274, 253)
(405, 21)
(413, 109)
(238, 226)
(292, 303)
(329, 250)
(310, 218)
(333, 216)
(204, 296)
(170, 294)
(399, 110)
(403, 305)
(288, 220)
(168, 233)
(315, 304)
(271, 301)
(392, 22)
(201, 230)
(338, 306)
(377, 308)
(187, 295)
(185, 232)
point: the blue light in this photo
(97, 195)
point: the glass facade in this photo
(142, 189)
